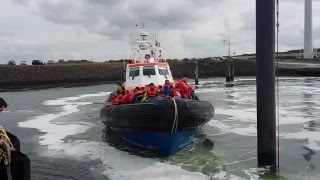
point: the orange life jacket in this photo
(184, 90)
(153, 93)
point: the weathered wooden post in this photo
(266, 114)
(196, 73)
(229, 69)
(232, 69)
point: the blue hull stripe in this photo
(163, 143)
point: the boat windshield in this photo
(163, 71)
(149, 70)
(133, 72)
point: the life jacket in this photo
(117, 100)
(141, 91)
(184, 90)
(174, 92)
(153, 93)
(126, 99)
(132, 96)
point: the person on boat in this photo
(142, 90)
(191, 94)
(152, 91)
(126, 97)
(3, 104)
(133, 94)
(117, 99)
(169, 86)
(184, 89)
(121, 88)
(141, 95)
(175, 93)
(161, 90)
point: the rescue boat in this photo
(164, 125)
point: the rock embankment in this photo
(90, 73)
(59, 74)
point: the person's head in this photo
(119, 84)
(185, 80)
(151, 86)
(127, 92)
(167, 82)
(3, 104)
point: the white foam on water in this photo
(243, 122)
(312, 138)
(55, 132)
(235, 129)
(250, 115)
(22, 111)
(244, 115)
(222, 175)
(254, 173)
(122, 166)
(119, 164)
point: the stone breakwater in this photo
(90, 73)
(57, 74)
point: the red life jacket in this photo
(132, 96)
(153, 93)
(117, 100)
(184, 90)
(126, 99)
(174, 92)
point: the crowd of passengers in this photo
(178, 90)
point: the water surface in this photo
(61, 131)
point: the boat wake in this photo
(118, 164)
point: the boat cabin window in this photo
(163, 71)
(149, 70)
(133, 72)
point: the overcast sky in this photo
(91, 29)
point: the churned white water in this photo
(72, 128)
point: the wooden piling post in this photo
(196, 73)
(232, 70)
(229, 70)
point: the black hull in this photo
(157, 115)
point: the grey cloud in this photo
(183, 20)
(249, 23)
(104, 17)
(6, 34)
(316, 33)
